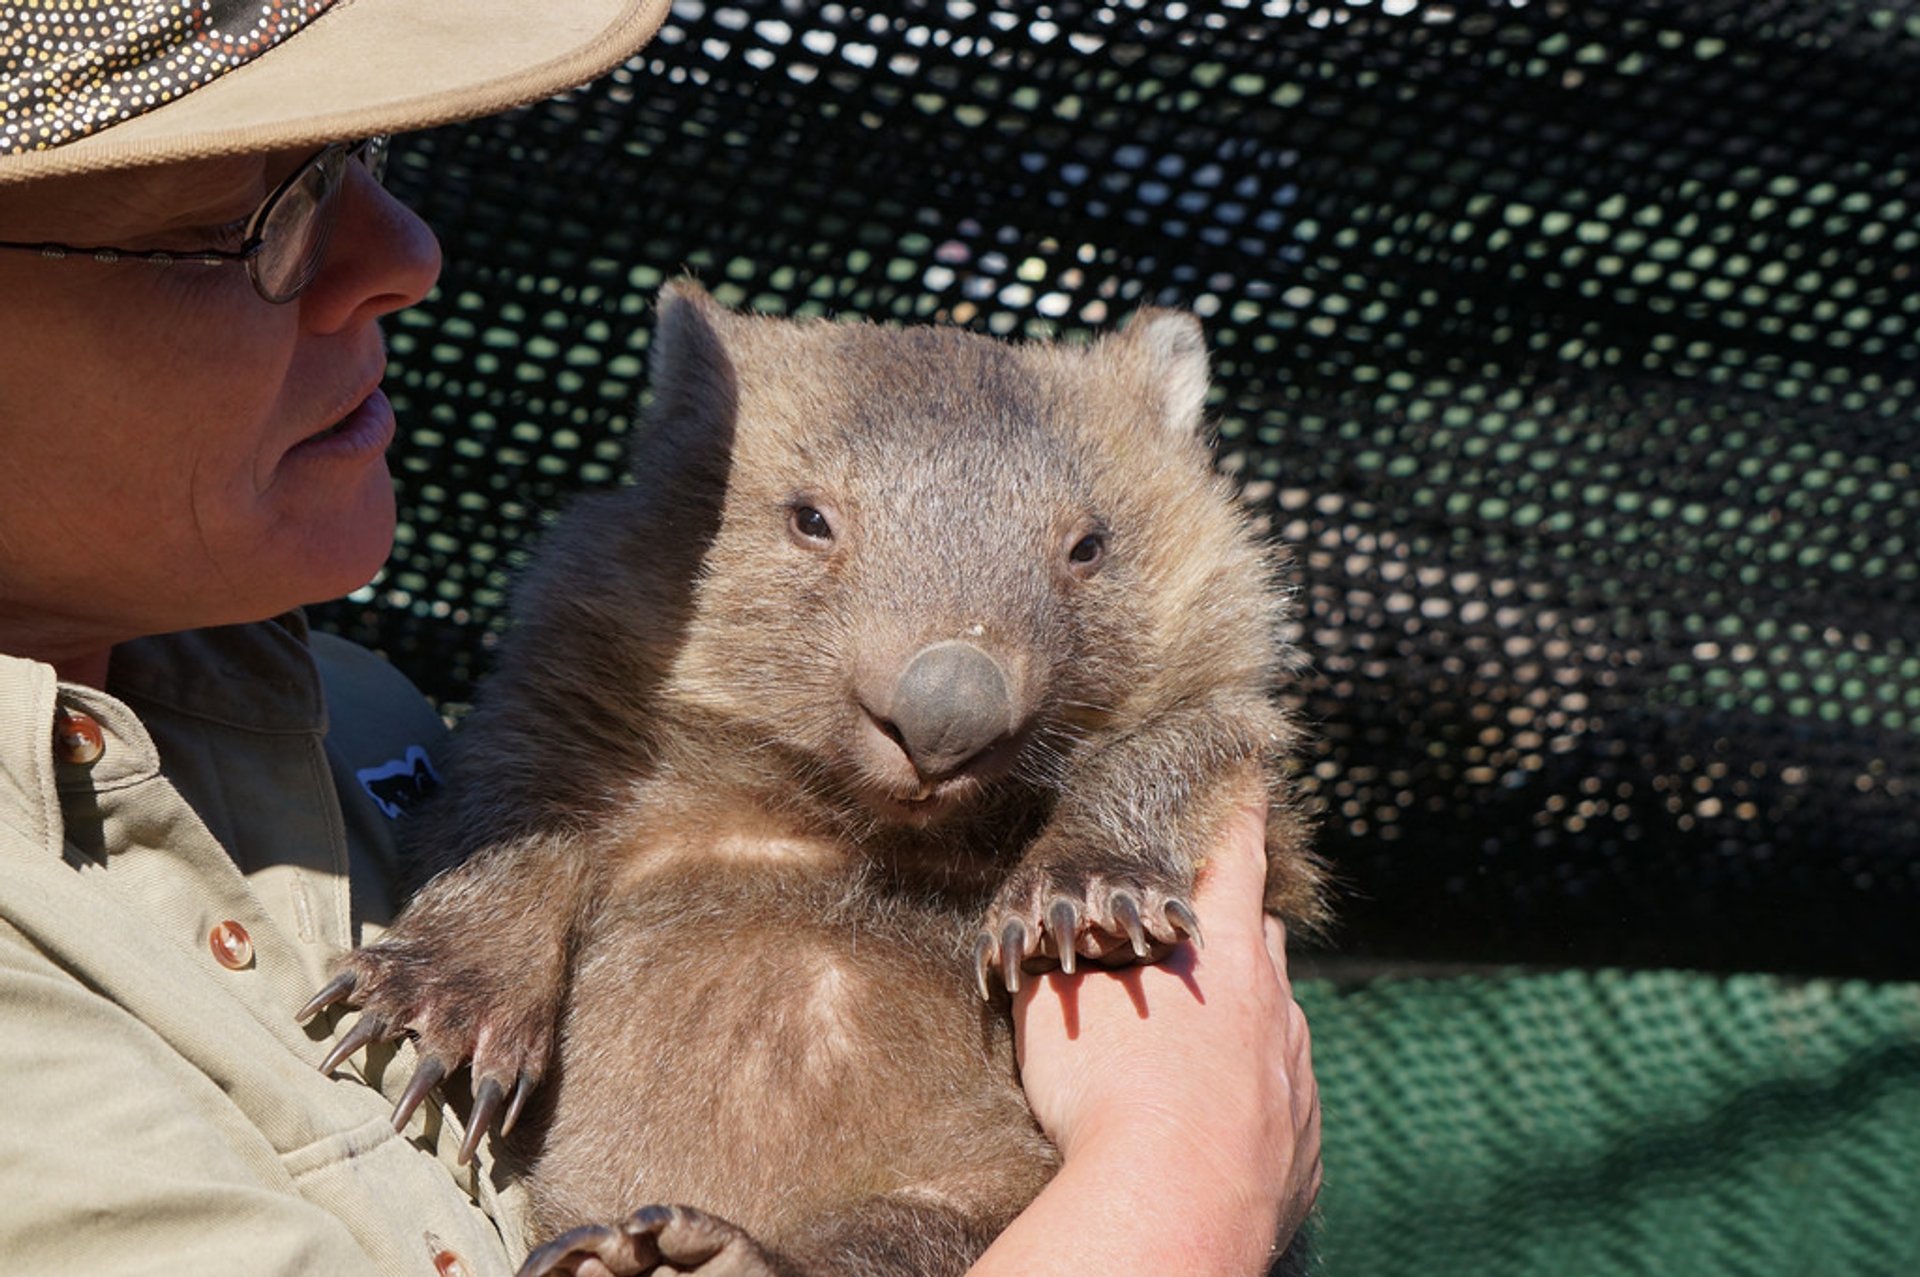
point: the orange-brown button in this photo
(232, 946)
(77, 739)
(448, 1264)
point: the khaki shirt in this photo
(160, 1111)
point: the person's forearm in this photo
(1129, 1205)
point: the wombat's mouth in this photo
(900, 788)
(928, 802)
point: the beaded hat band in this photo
(92, 85)
(73, 70)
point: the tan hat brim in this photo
(371, 66)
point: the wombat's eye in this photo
(810, 523)
(1087, 552)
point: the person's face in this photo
(174, 451)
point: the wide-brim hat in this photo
(88, 86)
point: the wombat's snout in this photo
(951, 703)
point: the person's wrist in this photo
(1214, 1191)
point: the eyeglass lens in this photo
(296, 227)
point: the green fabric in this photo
(1588, 1124)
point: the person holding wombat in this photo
(197, 796)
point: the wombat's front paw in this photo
(1042, 920)
(653, 1240)
(457, 1013)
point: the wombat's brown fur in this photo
(910, 660)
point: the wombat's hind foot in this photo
(1041, 920)
(457, 1013)
(653, 1240)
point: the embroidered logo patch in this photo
(398, 785)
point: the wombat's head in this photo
(943, 564)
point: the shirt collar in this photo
(260, 677)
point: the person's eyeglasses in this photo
(286, 237)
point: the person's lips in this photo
(366, 428)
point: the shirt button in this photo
(448, 1264)
(77, 739)
(232, 946)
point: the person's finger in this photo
(1306, 1097)
(1232, 883)
(1276, 933)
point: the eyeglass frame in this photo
(371, 152)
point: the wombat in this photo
(909, 662)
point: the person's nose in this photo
(381, 258)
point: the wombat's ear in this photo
(691, 372)
(686, 291)
(1171, 350)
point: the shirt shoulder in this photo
(385, 743)
(379, 725)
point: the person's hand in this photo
(1192, 1077)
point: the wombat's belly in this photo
(776, 1050)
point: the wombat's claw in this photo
(369, 1028)
(983, 949)
(424, 1079)
(1181, 915)
(1008, 950)
(652, 1239)
(488, 1098)
(338, 989)
(577, 1245)
(1013, 949)
(1126, 912)
(456, 1015)
(1054, 926)
(522, 1088)
(1063, 922)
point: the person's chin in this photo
(333, 552)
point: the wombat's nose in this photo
(951, 702)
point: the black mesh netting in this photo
(1573, 345)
